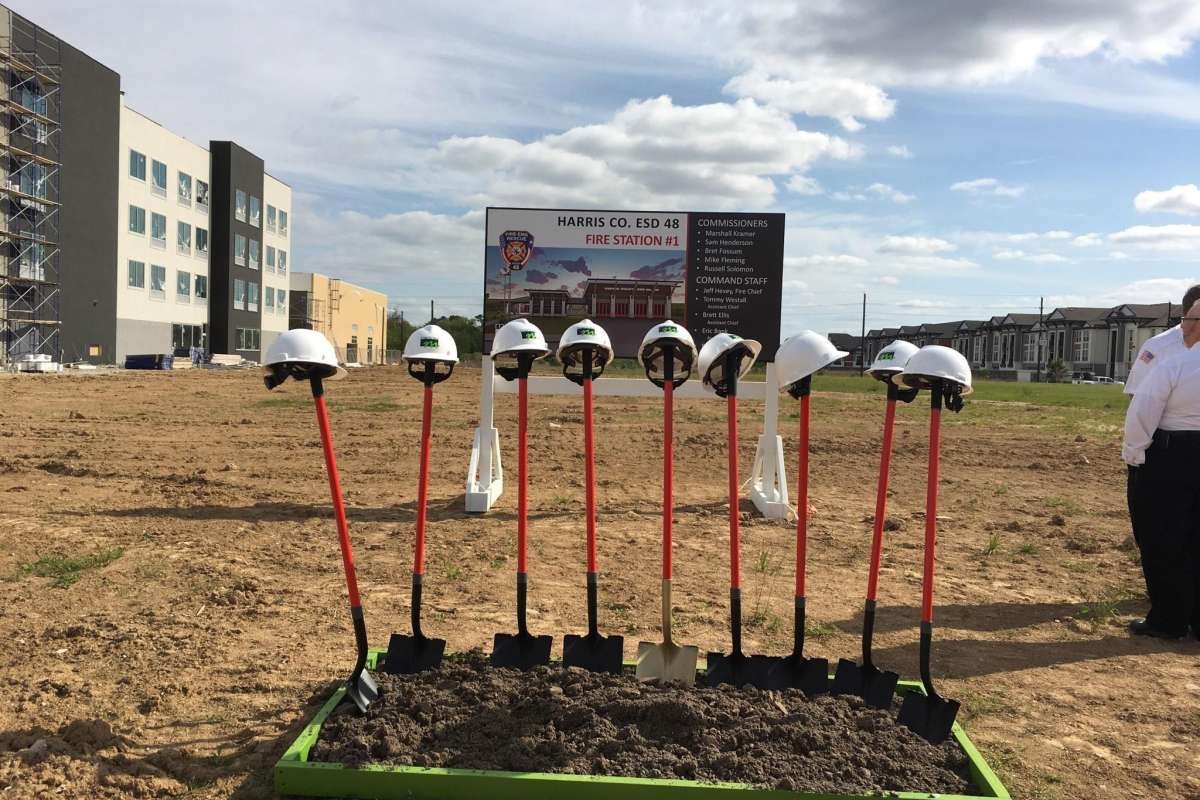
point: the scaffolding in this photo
(30, 200)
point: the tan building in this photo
(354, 319)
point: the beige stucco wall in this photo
(347, 314)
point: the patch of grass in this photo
(1028, 549)
(67, 569)
(1080, 566)
(819, 630)
(1103, 609)
(992, 547)
(979, 704)
(283, 402)
(452, 572)
(1001, 489)
(1064, 505)
(379, 406)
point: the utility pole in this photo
(862, 340)
(1041, 334)
(431, 317)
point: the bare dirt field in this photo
(174, 607)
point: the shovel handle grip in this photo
(423, 482)
(335, 490)
(523, 469)
(668, 467)
(885, 465)
(931, 494)
(802, 498)
(589, 459)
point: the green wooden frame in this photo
(295, 775)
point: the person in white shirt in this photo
(1156, 350)
(1162, 440)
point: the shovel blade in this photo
(875, 686)
(737, 669)
(520, 650)
(809, 675)
(594, 652)
(667, 662)
(929, 716)
(362, 691)
(409, 654)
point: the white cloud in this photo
(1032, 258)
(987, 186)
(890, 193)
(651, 153)
(825, 260)
(1088, 240)
(1057, 234)
(888, 280)
(1147, 290)
(899, 151)
(923, 304)
(1182, 199)
(1181, 238)
(842, 99)
(914, 245)
(805, 185)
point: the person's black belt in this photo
(1168, 438)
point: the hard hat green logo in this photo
(668, 329)
(886, 356)
(429, 343)
(528, 334)
(585, 331)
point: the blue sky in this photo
(949, 159)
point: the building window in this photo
(183, 286)
(137, 220)
(281, 301)
(1083, 346)
(1030, 348)
(270, 258)
(255, 211)
(282, 222)
(185, 189)
(185, 238)
(201, 193)
(201, 291)
(253, 254)
(639, 308)
(158, 281)
(247, 338)
(660, 309)
(269, 298)
(158, 230)
(239, 249)
(239, 205)
(201, 241)
(979, 340)
(352, 349)
(159, 174)
(252, 297)
(137, 274)
(603, 308)
(239, 293)
(622, 308)
(270, 218)
(186, 336)
(282, 265)
(137, 165)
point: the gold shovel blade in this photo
(667, 662)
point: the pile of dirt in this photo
(469, 715)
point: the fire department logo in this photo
(516, 247)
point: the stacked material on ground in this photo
(149, 361)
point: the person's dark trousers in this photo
(1167, 507)
(1130, 499)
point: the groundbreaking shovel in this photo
(667, 661)
(417, 653)
(931, 716)
(593, 652)
(734, 667)
(873, 685)
(810, 675)
(360, 687)
(522, 650)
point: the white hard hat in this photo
(712, 360)
(889, 362)
(520, 336)
(650, 354)
(585, 335)
(301, 354)
(802, 355)
(431, 343)
(934, 362)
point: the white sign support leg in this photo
(768, 476)
(485, 473)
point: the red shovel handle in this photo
(523, 469)
(735, 566)
(885, 464)
(589, 454)
(802, 499)
(339, 509)
(668, 472)
(931, 492)
(423, 486)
